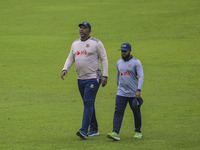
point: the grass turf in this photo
(40, 111)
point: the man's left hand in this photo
(103, 81)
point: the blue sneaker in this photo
(92, 133)
(81, 134)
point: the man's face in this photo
(125, 54)
(84, 32)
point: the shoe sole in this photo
(94, 134)
(137, 137)
(81, 135)
(112, 137)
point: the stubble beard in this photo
(126, 57)
(82, 35)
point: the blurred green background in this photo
(40, 111)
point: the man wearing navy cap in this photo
(87, 52)
(129, 81)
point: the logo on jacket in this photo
(87, 45)
(130, 66)
(127, 73)
(84, 52)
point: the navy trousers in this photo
(120, 105)
(88, 90)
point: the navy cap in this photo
(86, 24)
(125, 47)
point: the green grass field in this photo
(39, 111)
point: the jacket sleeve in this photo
(70, 60)
(140, 74)
(103, 57)
(117, 78)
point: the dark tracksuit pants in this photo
(88, 89)
(120, 105)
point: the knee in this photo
(89, 104)
(118, 110)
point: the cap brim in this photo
(121, 49)
(81, 24)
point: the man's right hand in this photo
(103, 81)
(64, 73)
(137, 95)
